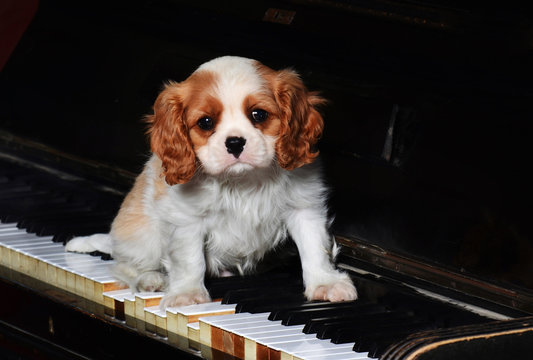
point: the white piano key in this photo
(87, 270)
(259, 325)
(118, 294)
(4, 232)
(149, 295)
(20, 240)
(250, 318)
(81, 265)
(350, 355)
(157, 311)
(305, 346)
(329, 349)
(242, 328)
(103, 284)
(7, 225)
(103, 279)
(43, 251)
(194, 325)
(70, 261)
(110, 297)
(291, 337)
(155, 319)
(179, 317)
(284, 338)
(26, 245)
(197, 309)
(217, 320)
(271, 332)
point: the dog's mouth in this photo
(239, 167)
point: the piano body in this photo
(426, 150)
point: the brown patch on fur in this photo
(160, 187)
(173, 131)
(265, 102)
(200, 106)
(131, 218)
(301, 125)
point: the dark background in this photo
(453, 81)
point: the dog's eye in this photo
(206, 123)
(259, 115)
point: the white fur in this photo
(229, 215)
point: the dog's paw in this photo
(342, 290)
(199, 296)
(151, 281)
(87, 244)
(79, 245)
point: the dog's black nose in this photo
(235, 145)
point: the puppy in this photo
(231, 177)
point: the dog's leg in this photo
(186, 270)
(322, 281)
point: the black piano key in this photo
(61, 208)
(284, 314)
(218, 286)
(26, 222)
(347, 334)
(363, 313)
(64, 236)
(64, 217)
(240, 288)
(328, 329)
(380, 341)
(267, 304)
(53, 228)
(101, 255)
(237, 295)
(43, 227)
(375, 350)
(299, 317)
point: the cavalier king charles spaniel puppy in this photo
(231, 177)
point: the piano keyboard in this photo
(258, 317)
(42, 259)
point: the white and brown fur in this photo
(196, 208)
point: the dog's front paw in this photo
(199, 296)
(342, 290)
(151, 281)
(87, 244)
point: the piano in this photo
(426, 151)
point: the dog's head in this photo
(233, 115)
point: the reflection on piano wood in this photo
(259, 317)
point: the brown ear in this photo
(169, 136)
(301, 123)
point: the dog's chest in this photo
(240, 220)
(242, 226)
(245, 213)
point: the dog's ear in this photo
(301, 123)
(169, 135)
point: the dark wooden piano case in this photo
(426, 148)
